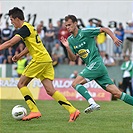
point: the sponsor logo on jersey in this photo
(83, 53)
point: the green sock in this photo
(127, 98)
(83, 91)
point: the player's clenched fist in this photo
(15, 58)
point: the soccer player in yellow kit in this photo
(40, 66)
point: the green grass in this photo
(114, 117)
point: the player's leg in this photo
(46, 78)
(33, 69)
(107, 84)
(78, 85)
(74, 113)
(118, 94)
(22, 85)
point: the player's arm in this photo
(71, 56)
(111, 34)
(18, 56)
(65, 42)
(10, 42)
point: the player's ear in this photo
(76, 23)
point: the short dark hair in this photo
(72, 17)
(16, 13)
(90, 20)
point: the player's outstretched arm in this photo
(10, 42)
(117, 42)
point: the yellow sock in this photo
(29, 99)
(63, 101)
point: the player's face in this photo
(71, 26)
(14, 22)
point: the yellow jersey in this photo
(33, 42)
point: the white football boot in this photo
(92, 108)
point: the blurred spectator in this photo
(90, 25)
(108, 60)
(9, 53)
(20, 48)
(99, 23)
(119, 33)
(40, 32)
(3, 59)
(43, 27)
(74, 75)
(6, 33)
(127, 69)
(64, 32)
(128, 38)
(21, 64)
(49, 38)
(0, 37)
(120, 86)
(57, 28)
(101, 38)
(58, 53)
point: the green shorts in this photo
(97, 72)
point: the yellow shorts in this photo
(40, 70)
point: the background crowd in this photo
(50, 36)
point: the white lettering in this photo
(57, 83)
(92, 84)
(62, 83)
(37, 83)
(12, 82)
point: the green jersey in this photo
(84, 44)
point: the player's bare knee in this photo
(48, 92)
(74, 84)
(20, 85)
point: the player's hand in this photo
(117, 42)
(64, 42)
(15, 58)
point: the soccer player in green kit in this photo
(82, 42)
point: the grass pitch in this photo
(114, 117)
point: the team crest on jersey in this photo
(83, 53)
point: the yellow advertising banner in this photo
(9, 90)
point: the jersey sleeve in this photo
(91, 32)
(23, 32)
